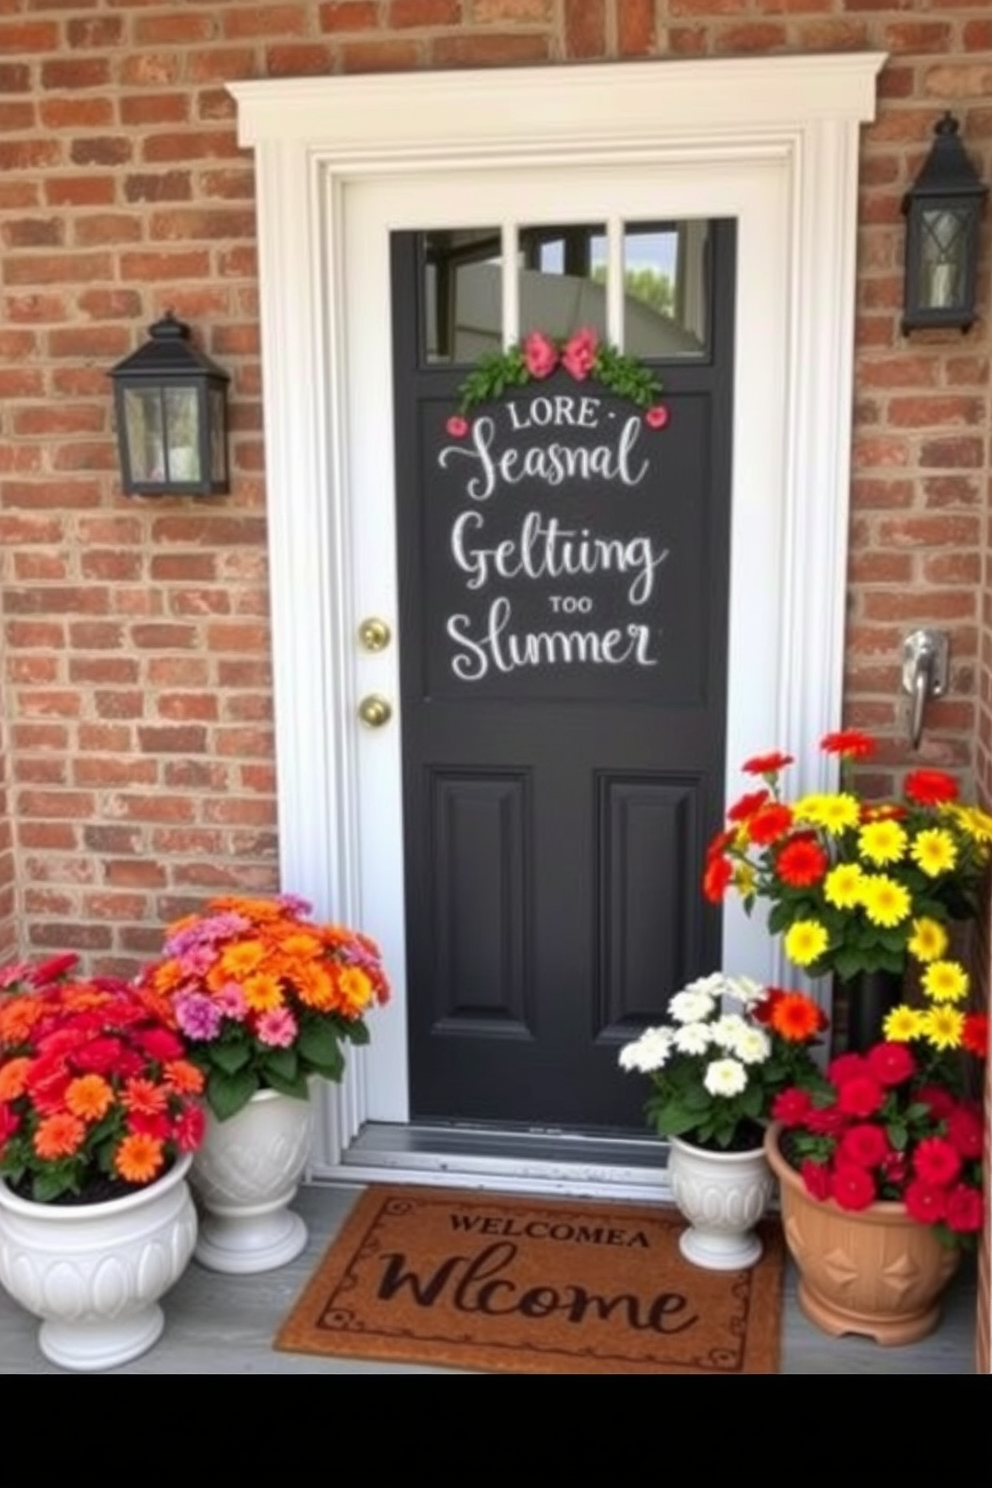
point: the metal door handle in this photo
(375, 710)
(924, 675)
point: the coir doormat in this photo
(532, 1286)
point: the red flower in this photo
(189, 1129)
(99, 1056)
(802, 862)
(852, 1187)
(716, 879)
(846, 1067)
(747, 805)
(850, 742)
(791, 1107)
(767, 764)
(52, 969)
(975, 1035)
(965, 1210)
(826, 1121)
(816, 1177)
(540, 355)
(657, 417)
(895, 1169)
(797, 1017)
(891, 1063)
(965, 1131)
(860, 1096)
(769, 823)
(925, 1202)
(940, 1102)
(720, 843)
(931, 787)
(936, 1161)
(863, 1145)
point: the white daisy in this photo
(649, 1052)
(727, 1031)
(691, 1006)
(747, 991)
(693, 1038)
(726, 1077)
(753, 1046)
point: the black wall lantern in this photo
(171, 404)
(943, 207)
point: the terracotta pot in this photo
(873, 1271)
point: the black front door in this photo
(563, 573)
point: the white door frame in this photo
(772, 141)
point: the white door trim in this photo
(793, 121)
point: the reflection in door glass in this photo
(462, 294)
(563, 279)
(666, 288)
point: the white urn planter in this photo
(723, 1195)
(245, 1176)
(94, 1273)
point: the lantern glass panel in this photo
(218, 435)
(145, 433)
(182, 422)
(944, 245)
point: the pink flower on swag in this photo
(579, 356)
(540, 354)
(457, 426)
(657, 417)
(277, 1028)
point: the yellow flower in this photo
(805, 942)
(902, 1024)
(882, 841)
(745, 879)
(928, 941)
(886, 902)
(263, 993)
(842, 886)
(945, 981)
(833, 813)
(935, 851)
(977, 823)
(943, 1027)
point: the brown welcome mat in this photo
(533, 1286)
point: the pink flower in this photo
(457, 426)
(657, 417)
(579, 356)
(540, 354)
(277, 1028)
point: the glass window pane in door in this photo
(666, 289)
(562, 279)
(462, 294)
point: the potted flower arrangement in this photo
(99, 1118)
(863, 889)
(880, 1166)
(732, 1046)
(266, 999)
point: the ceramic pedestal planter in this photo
(723, 1195)
(245, 1176)
(94, 1272)
(873, 1271)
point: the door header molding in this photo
(606, 107)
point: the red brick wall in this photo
(136, 662)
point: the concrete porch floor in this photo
(225, 1324)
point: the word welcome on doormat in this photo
(488, 1282)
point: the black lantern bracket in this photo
(943, 208)
(170, 401)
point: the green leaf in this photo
(227, 1094)
(229, 1057)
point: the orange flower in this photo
(796, 1017)
(139, 1157)
(355, 989)
(89, 1097)
(182, 1076)
(57, 1136)
(18, 1017)
(145, 1096)
(13, 1079)
(262, 992)
(240, 960)
(315, 987)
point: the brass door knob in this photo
(374, 634)
(375, 710)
